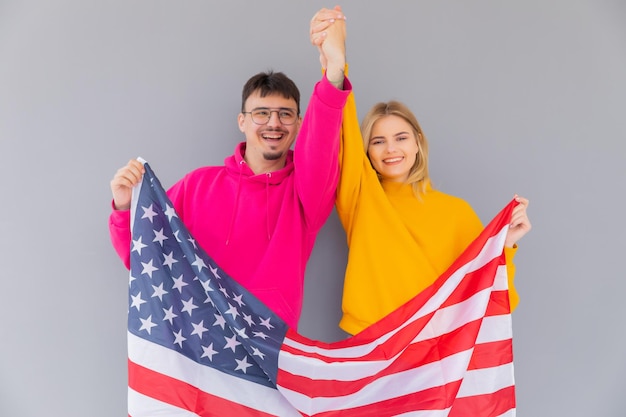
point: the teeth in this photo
(272, 137)
(392, 160)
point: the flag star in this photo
(148, 213)
(199, 328)
(137, 301)
(169, 259)
(188, 306)
(159, 236)
(131, 278)
(260, 334)
(214, 271)
(193, 242)
(147, 324)
(231, 343)
(179, 283)
(238, 300)
(242, 364)
(257, 352)
(241, 333)
(148, 268)
(206, 285)
(176, 236)
(232, 311)
(208, 352)
(169, 315)
(208, 300)
(219, 321)
(159, 291)
(199, 263)
(223, 290)
(138, 245)
(248, 319)
(266, 323)
(179, 339)
(170, 212)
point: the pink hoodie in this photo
(261, 228)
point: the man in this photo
(258, 215)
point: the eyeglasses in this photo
(262, 115)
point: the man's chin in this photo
(272, 156)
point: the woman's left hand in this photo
(520, 225)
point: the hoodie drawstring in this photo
(236, 207)
(268, 176)
(267, 204)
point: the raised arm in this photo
(317, 146)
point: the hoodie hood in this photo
(237, 165)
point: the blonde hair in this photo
(418, 174)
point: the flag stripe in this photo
(443, 322)
(141, 405)
(425, 352)
(491, 354)
(497, 404)
(176, 373)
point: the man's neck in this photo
(262, 166)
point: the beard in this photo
(272, 156)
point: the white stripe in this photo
(487, 380)
(140, 405)
(501, 282)
(495, 329)
(388, 387)
(448, 319)
(175, 365)
(443, 321)
(492, 249)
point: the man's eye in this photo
(285, 113)
(262, 113)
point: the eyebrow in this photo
(394, 135)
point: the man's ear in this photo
(241, 118)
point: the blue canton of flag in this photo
(170, 305)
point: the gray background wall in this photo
(520, 97)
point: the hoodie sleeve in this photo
(316, 152)
(119, 230)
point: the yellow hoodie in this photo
(398, 244)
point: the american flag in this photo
(199, 344)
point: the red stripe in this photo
(474, 282)
(489, 355)
(487, 405)
(499, 304)
(436, 398)
(415, 355)
(183, 395)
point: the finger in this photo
(318, 38)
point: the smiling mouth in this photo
(273, 136)
(393, 160)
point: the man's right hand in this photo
(123, 182)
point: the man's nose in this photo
(274, 118)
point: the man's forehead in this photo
(270, 100)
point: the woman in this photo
(402, 234)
